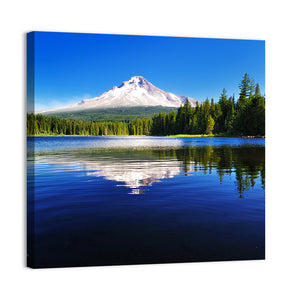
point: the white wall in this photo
(275, 21)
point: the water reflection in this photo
(138, 168)
(246, 162)
(136, 174)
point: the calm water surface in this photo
(131, 200)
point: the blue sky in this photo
(72, 66)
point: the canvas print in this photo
(144, 149)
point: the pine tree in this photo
(209, 125)
(244, 90)
(257, 90)
(251, 87)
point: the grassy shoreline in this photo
(175, 135)
(200, 135)
(216, 135)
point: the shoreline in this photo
(167, 136)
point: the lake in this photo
(136, 200)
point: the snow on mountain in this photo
(135, 92)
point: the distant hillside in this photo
(125, 114)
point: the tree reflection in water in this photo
(139, 168)
(247, 163)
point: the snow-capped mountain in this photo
(135, 92)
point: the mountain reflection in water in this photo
(128, 200)
(138, 168)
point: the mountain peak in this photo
(135, 80)
(137, 91)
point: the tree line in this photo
(44, 125)
(246, 116)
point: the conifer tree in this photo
(244, 90)
(257, 90)
(209, 125)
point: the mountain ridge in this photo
(137, 91)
